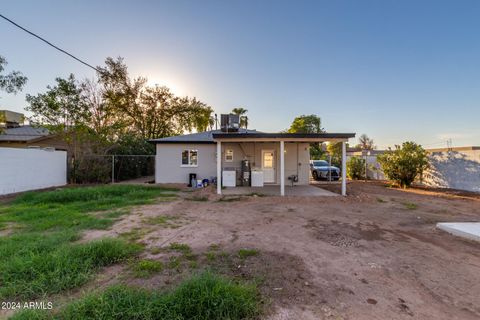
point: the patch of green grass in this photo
(381, 200)
(410, 205)
(214, 247)
(146, 267)
(197, 198)
(44, 267)
(202, 297)
(41, 258)
(245, 253)
(166, 221)
(180, 247)
(174, 263)
(211, 256)
(135, 234)
(116, 213)
(156, 250)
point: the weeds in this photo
(410, 205)
(203, 297)
(245, 253)
(180, 247)
(166, 221)
(42, 266)
(145, 268)
(41, 258)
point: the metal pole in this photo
(219, 167)
(282, 168)
(329, 169)
(113, 169)
(366, 167)
(344, 169)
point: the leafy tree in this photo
(151, 112)
(365, 143)
(61, 107)
(306, 124)
(12, 82)
(404, 164)
(356, 168)
(113, 114)
(335, 151)
(309, 124)
(243, 118)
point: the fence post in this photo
(113, 169)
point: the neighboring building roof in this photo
(211, 136)
(468, 148)
(23, 134)
(200, 137)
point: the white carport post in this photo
(219, 167)
(282, 168)
(344, 168)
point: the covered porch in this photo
(272, 190)
(281, 159)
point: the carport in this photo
(275, 143)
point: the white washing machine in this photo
(257, 178)
(229, 178)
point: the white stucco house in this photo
(274, 158)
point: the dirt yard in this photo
(373, 255)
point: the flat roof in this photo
(253, 135)
(293, 137)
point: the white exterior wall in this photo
(454, 169)
(30, 169)
(168, 162)
(296, 163)
(168, 158)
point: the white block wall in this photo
(30, 169)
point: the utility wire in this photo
(50, 44)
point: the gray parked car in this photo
(320, 170)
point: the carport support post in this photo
(344, 168)
(282, 168)
(219, 167)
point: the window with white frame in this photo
(189, 158)
(229, 155)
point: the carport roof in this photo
(253, 135)
(293, 137)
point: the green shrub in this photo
(202, 297)
(404, 164)
(356, 168)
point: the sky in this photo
(395, 70)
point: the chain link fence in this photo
(111, 168)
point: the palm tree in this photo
(365, 143)
(243, 118)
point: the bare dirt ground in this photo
(373, 255)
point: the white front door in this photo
(268, 166)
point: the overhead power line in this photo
(49, 43)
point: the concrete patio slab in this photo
(274, 190)
(469, 230)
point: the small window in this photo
(229, 155)
(190, 158)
